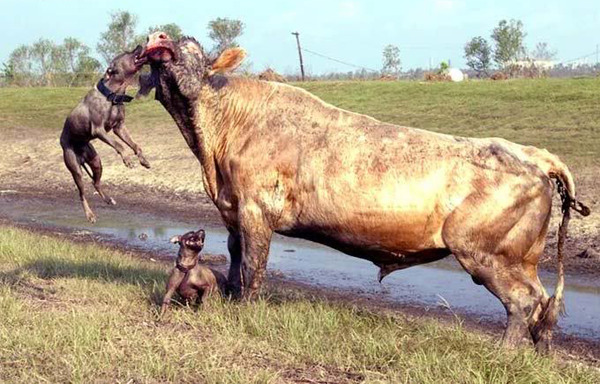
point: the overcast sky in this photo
(354, 31)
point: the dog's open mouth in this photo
(140, 60)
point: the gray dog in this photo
(99, 112)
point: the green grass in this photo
(80, 313)
(562, 115)
(43, 110)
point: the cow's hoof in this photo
(111, 201)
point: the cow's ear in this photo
(227, 61)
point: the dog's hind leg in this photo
(92, 158)
(72, 161)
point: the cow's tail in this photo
(566, 189)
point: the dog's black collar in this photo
(182, 268)
(113, 97)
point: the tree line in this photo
(71, 63)
(507, 52)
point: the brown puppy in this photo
(188, 278)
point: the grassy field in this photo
(80, 313)
(562, 115)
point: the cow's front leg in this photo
(234, 278)
(255, 236)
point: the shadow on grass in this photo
(152, 279)
(96, 270)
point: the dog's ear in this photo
(147, 82)
(175, 239)
(137, 50)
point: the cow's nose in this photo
(157, 36)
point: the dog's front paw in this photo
(128, 162)
(91, 217)
(145, 163)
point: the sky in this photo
(352, 31)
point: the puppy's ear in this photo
(147, 82)
(175, 239)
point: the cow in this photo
(277, 159)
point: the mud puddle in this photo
(442, 284)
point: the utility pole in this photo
(299, 53)
(596, 54)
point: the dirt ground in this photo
(173, 189)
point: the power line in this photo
(338, 61)
(578, 58)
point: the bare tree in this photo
(224, 32)
(119, 37)
(20, 65)
(543, 52)
(391, 60)
(41, 55)
(508, 38)
(479, 55)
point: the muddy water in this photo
(438, 284)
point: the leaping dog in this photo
(101, 111)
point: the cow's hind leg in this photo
(520, 295)
(91, 158)
(499, 245)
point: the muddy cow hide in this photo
(275, 158)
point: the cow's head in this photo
(185, 63)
